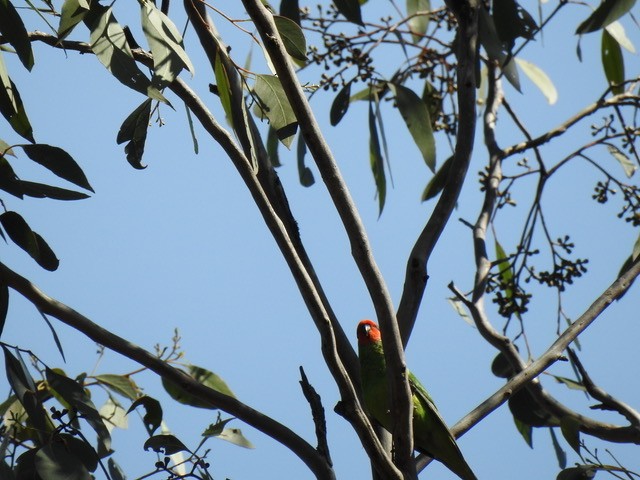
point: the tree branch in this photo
(416, 271)
(360, 248)
(49, 306)
(630, 434)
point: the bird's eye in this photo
(367, 329)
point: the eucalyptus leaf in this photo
(418, 23)
(606, 13)
(72, 13)
(540, 79)
(376, 160)
(612, 62)
(13, 31)
(59, 162)
(292, 38)
(11, 105)
(276, 107)
(350, 9)
(153, 412)
(165, 444)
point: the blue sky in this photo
(181, 244)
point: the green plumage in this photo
(431, 435)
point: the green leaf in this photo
(215, 429)
(612, 62)
(203, 376)
(290, 9)
(40, 190)
(376, 160)
(418, 24)
(276, 107)
(120, 384)
(561, 455)
(524, 406)
(569, 383)
(167, 47)
(458, 306)
(438, 181)
(350, 9)
(13, 31)
(11, 105)
(224, 89)
(540, 79)
(109, 43)
(80, 449)
(9, 181)
(134, 130)
(512, 21)
(76, 396)
(72, 13)
(235, 436)
(304, 173)
(59, 162)
(54, 335)
(192, 130)
(4, 304)
(340, 104)
(24, 387)
(165, 444)
(492, 44)
(525, 430)
(607, 12)
(579, 472)
(115, 471)
(32, 243)
(617, 31)
(272, 147)
(570, 428)
(292, 38)
(416, 115)
(114, 415)
(501, 367)
(55, 462)
(153, 412)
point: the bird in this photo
(431, 435)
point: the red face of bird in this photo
(368, 332)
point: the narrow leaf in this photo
(290, 9)
(540, 79)
(570, 428)
(607, 12)
(120, 384)
(612, 62)
(76, 396)
(11, 105)
(40, 190)
(224, 89)
(235, 436)
(32, 243)
(627, 165)
(115, 471)
(376, 160)
(418, 23)
(438, 181)
(350, 9)
(492, 44)
(203, 376)
(304, 173)
(276, 107)
(72, 13)
(4, 304)
(54, 462)
(109, 43)
(525, 430)
(616, 30)
(292, 38)
(416, 116)
(561, 455)
(13, 30)
(192, 130)
(340, 104)
(272, 147)
(165, 42)
(59, 162)
(134, 131)
(54, 334)
(9, 181)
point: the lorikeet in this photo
(431, 435)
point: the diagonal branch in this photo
(554, 353)
(256, 419)
(416, 271)
(360, 247)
